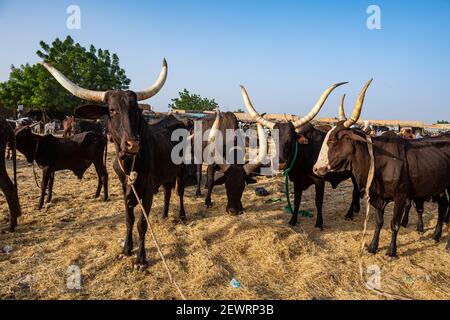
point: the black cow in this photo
(82, 125)
(6, 185)
(309, 140)
(75, 153)
(404, 170)
(139, 147)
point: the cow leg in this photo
(180, 191)
(379, 221)
(320, 190)
(44, 183)
(167, 195)
(50, 187)
(419, 209)
(10, 192)
(405, 219)
(141, 261)
(355, 206)
(399, 208)
(298, 192)
(210, 182)
(443, 206)
(129, 218)
(102, 175)
(198, 193)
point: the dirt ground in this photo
(270, 259)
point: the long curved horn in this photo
(319, 104)
(262, 151)
(85, 94)
(154, 89)
(211, 140)
(342, 116)
(255, 115)
(358, 106)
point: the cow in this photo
(8, 187)
(140, 148)
(228, 122)
(403, 170)
(82, 125)
(235, 176)
(309, 141)
(75, 153)
(50, 128)
(68, 126)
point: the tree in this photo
(239, 110)
(188, 101)
(443, 122)
(34, 87)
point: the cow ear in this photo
(220, 180)
(91, 111)
(250, 180)
(302, 139)
(357, 137)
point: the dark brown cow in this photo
(309, 140)
(75, 153)
(235, 176)
(404, 170)
(6, 185)
(139, 147)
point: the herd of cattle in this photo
(405, 171)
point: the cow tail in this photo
(106, 151)
(14, 155)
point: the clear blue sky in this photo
(285, 52)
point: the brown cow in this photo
(404, 170)
(68, 123)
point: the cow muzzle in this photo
(132, 146)
(321, 171)
(282, 166)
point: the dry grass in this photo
(269, 258)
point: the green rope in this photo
(286, 174)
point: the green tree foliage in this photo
(34, 87)
(188, 101)
(443, 122)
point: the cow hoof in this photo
(319, 227)
(420, 230)
(372, 250)
(208, 205)
(140, 267)
(293, 223)
(349, 218)
(198, 194)
(123, 256)
(391, 256)
(404, 224)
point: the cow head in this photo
(125, 117)
(236, 177)
(340, 145)
(26, 143)
(289, 133)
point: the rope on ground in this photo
(363, 240)
(131, 179)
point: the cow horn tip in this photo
(164, 62)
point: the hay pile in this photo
(270, 259)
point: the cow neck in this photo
(361, 165)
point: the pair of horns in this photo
(249, 167)
(357, 109)
(99, 96)
(298, 123)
